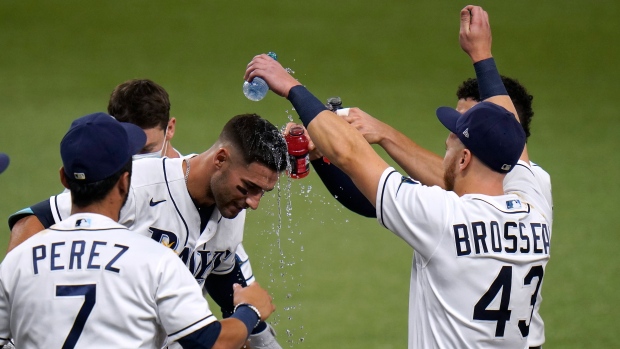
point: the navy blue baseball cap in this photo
(489, 131)
(4, 162)
(97, 146)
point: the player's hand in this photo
(256, 296)
(475, 33)
(313, 151)
(372, 129)
(278, 79)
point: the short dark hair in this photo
(258, 140)
(84, 194)
(141, 102)
(517, 92)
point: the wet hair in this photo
(517, 92)
(141, 102)
(257, 139)
(85, 194)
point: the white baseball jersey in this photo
(159, 207)
(537, 328)
(88, 282)
(479, 260)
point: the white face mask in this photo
(156, 154)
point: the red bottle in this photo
(298, 152)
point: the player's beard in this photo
(221, 192)
(449, 176)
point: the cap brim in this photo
(448, 117)
(4, 162)
(136, 136)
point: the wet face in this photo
(237, 186)
(451, 160)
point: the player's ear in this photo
(123, 184)
(221, 157)
(465, 159)
(171, 128)
(63, 177)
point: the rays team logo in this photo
(166, 238)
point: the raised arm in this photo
(340, 142)
(475, 39)
(419, 163)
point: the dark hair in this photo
(257, 139)
(140, 102)
(84, 194)
(517, 92)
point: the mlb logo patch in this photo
(82, 223)
(512, 204)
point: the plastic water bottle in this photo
(257, 89)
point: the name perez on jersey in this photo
(76, 255)
(495, 237)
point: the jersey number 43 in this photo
(503, 284)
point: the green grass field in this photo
(339, 280)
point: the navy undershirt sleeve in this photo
(203, 338)
(42, 210)
(342, 188)
(220, 289)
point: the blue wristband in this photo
(247, 315)
(489, 81)
(306, 105)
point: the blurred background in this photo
(339, 280)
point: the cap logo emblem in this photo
(466, 133)
(79, 175)
(506, 167)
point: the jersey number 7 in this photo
(89, 292)
(503, 283)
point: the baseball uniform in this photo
(159, 207)
(537, 327)
(106, 288)
(479, 260)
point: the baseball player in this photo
(145, 103)
(87, 282)
(480, 253)
(196, 206)
(421, 163)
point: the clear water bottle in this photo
(257, 89)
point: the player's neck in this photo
(480, 181)
(171, 152)
(199, 180)
(104, 208)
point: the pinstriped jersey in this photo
(88, 281)
(479, 260)
(159, 207)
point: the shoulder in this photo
(155, 171)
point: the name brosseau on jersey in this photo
(488, 237)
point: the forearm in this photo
(23, 230)
(419, 163)
(344, 146)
